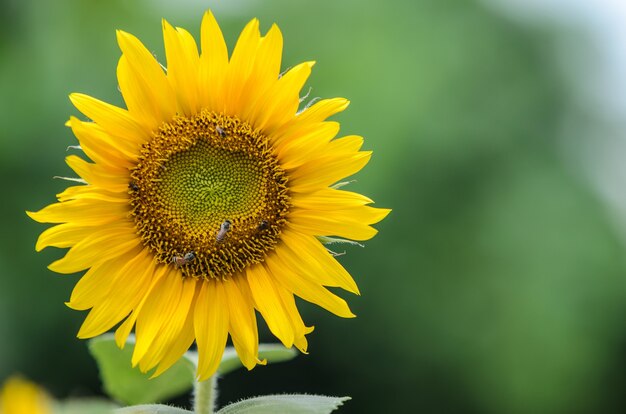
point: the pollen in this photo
(208, 195)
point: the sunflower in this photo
(206, 200)
(19, 396)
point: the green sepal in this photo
(129, 385)
(337, 186)
(338, 240)
(286, 404)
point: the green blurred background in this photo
(497, 284)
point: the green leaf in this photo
(84, 406)
(129, 385)
(286, 404)
(151, 409)
(272, 352)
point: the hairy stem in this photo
(205, 393)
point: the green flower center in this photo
(208, 195)
(206, 185)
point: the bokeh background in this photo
(497, 284)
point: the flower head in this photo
(19, 396)
(203, 201)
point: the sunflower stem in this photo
(204, 395)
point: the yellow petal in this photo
(95, 285)
(63, 235)
(352, 223)
(348, 144)
(108, 244)
(83, 211)
(116, 121)
(307, 256)
(306, 289)
(355, 215)
(282, 99)
(240, 67)
(298, 326)
(147, 81)
(310, 142)
(172, 325)
(327, 151)
(211, 327)
(302, 344)
(138, 96)
(242, 320)
(269, 302)
(330, 199)
(327, 170)
(268, 58)
(101, 147)
(315, 224)
(127, 290)
(213, 63)
(92, 193)
(160, 304)
(179, 345)
(181, 52)
(108, 178)
(323, 109)
(121, 334)
(313, 115)
(265, 72)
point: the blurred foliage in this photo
(495, 286)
